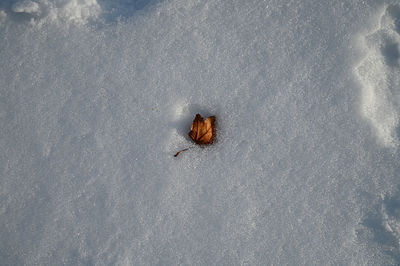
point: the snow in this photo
(379, 74)
(26, 7)
(97, 96)
(58, 11)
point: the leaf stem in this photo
(180, 152)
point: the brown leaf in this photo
(202, 131)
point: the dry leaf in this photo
(203, 131)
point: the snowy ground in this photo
(97, 96)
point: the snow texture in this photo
(57, 11)
(97, 96)
(379, 74)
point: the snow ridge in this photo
(379, 74)
(59, 11)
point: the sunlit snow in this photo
(96, 96)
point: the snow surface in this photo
(97, 96)
(379, 74)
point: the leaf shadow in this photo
(184, 121)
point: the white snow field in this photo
(96, 96)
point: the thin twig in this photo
(180, 152)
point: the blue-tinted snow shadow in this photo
(394, 11)
(124, 9)
(398, 133)
(376, 223)
(380, 234)
(20, 17)
(111, 11)
(7, 3)
(391, 53)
